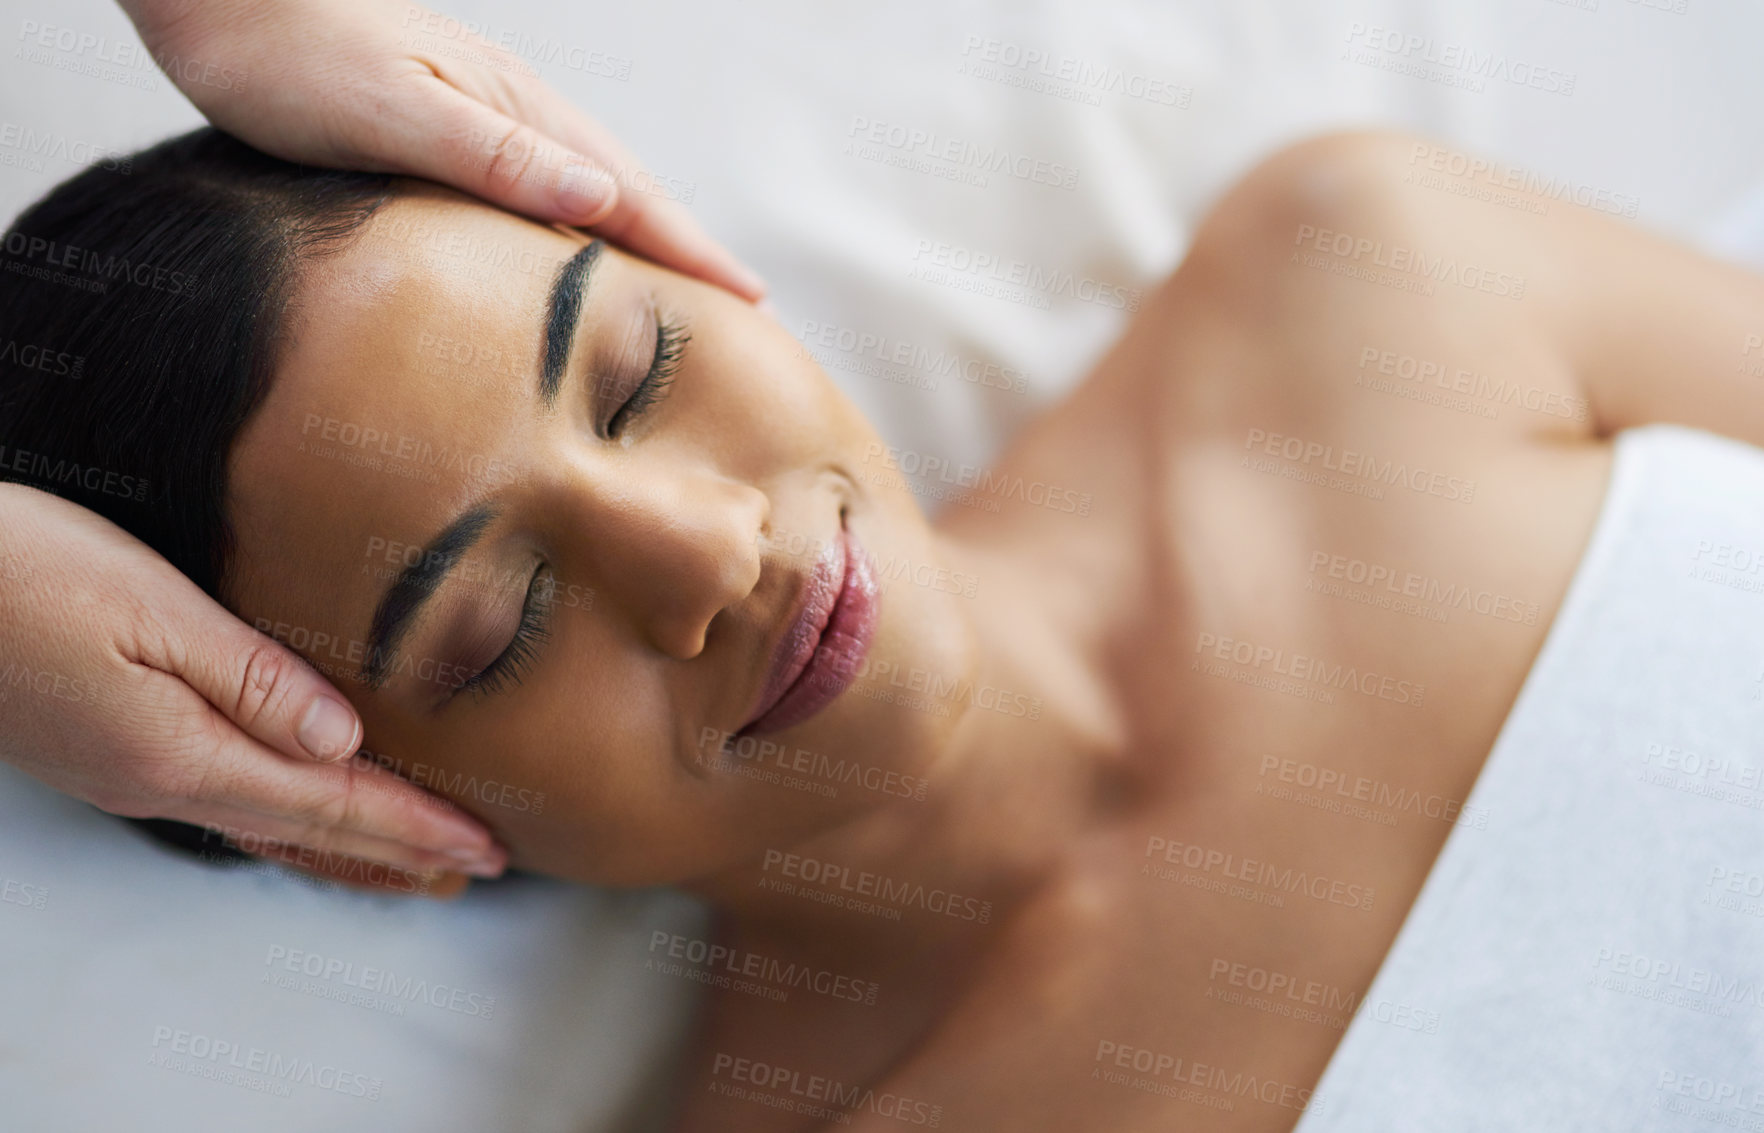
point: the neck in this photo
(1005, 794)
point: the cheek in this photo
(577, 782)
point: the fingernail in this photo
(480, 864)
(583, 191)
(750, 282)
(328, 730)
(461, 839)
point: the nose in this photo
(671, 551)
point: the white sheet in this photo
(751, 108)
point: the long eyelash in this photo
(670, 347)
(518, 657)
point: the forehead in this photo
(407, 370)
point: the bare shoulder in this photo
(1336, 266)
(1337, 175)
(1341, 182)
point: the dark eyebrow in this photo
(415, 585)
(568, 290)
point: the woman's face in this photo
(574, 571)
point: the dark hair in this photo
(141, 304)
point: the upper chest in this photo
(1335, 568)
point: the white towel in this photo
(1594, 957)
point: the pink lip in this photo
(820, 653)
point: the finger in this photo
(667, 234)
(326, 802)
(439, 886)
(647, 224)
(523, 160)
(267, 691)
(361, 875)
(236, 768)
(297, 843)
(450, 137)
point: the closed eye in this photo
(514, 662)
(670, 348)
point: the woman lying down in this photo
(1100, 803)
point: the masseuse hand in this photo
(388, 86)
(123, 684)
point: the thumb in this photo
(265, 689)
(450, 137)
